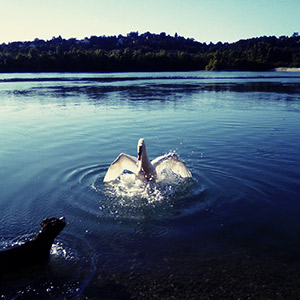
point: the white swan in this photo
(143, 168)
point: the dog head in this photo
(52, 227)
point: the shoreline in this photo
(284, 69)
(232, 275)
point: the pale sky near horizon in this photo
(204, 20)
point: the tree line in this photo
(148, 52)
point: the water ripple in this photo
(127, 197)
(83, 174)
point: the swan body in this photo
(143, 168)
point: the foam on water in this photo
(129, 197)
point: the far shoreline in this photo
(285, 69)
(279, 69)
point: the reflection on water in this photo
(237, 132)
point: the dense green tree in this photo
(148, 52)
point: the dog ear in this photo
(44, 222)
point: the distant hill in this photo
(148, 52)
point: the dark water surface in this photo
(232, 230)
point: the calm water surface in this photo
(238, 133)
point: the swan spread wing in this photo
(172, 162)
(123, 162)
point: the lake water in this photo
(237, 132)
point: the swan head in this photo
(141, 147)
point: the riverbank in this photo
(227, 276)
(283, 69)
(147, 52)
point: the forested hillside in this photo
(148, 52)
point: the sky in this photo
(204, 20)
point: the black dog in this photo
(34, 251)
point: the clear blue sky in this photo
(203, 20)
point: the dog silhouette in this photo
(32, 252)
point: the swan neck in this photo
(144, 160)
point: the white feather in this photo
(143, 168)
(122, 162)
(172, 163)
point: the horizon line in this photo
(295, 34)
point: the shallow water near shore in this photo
(237, 132)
